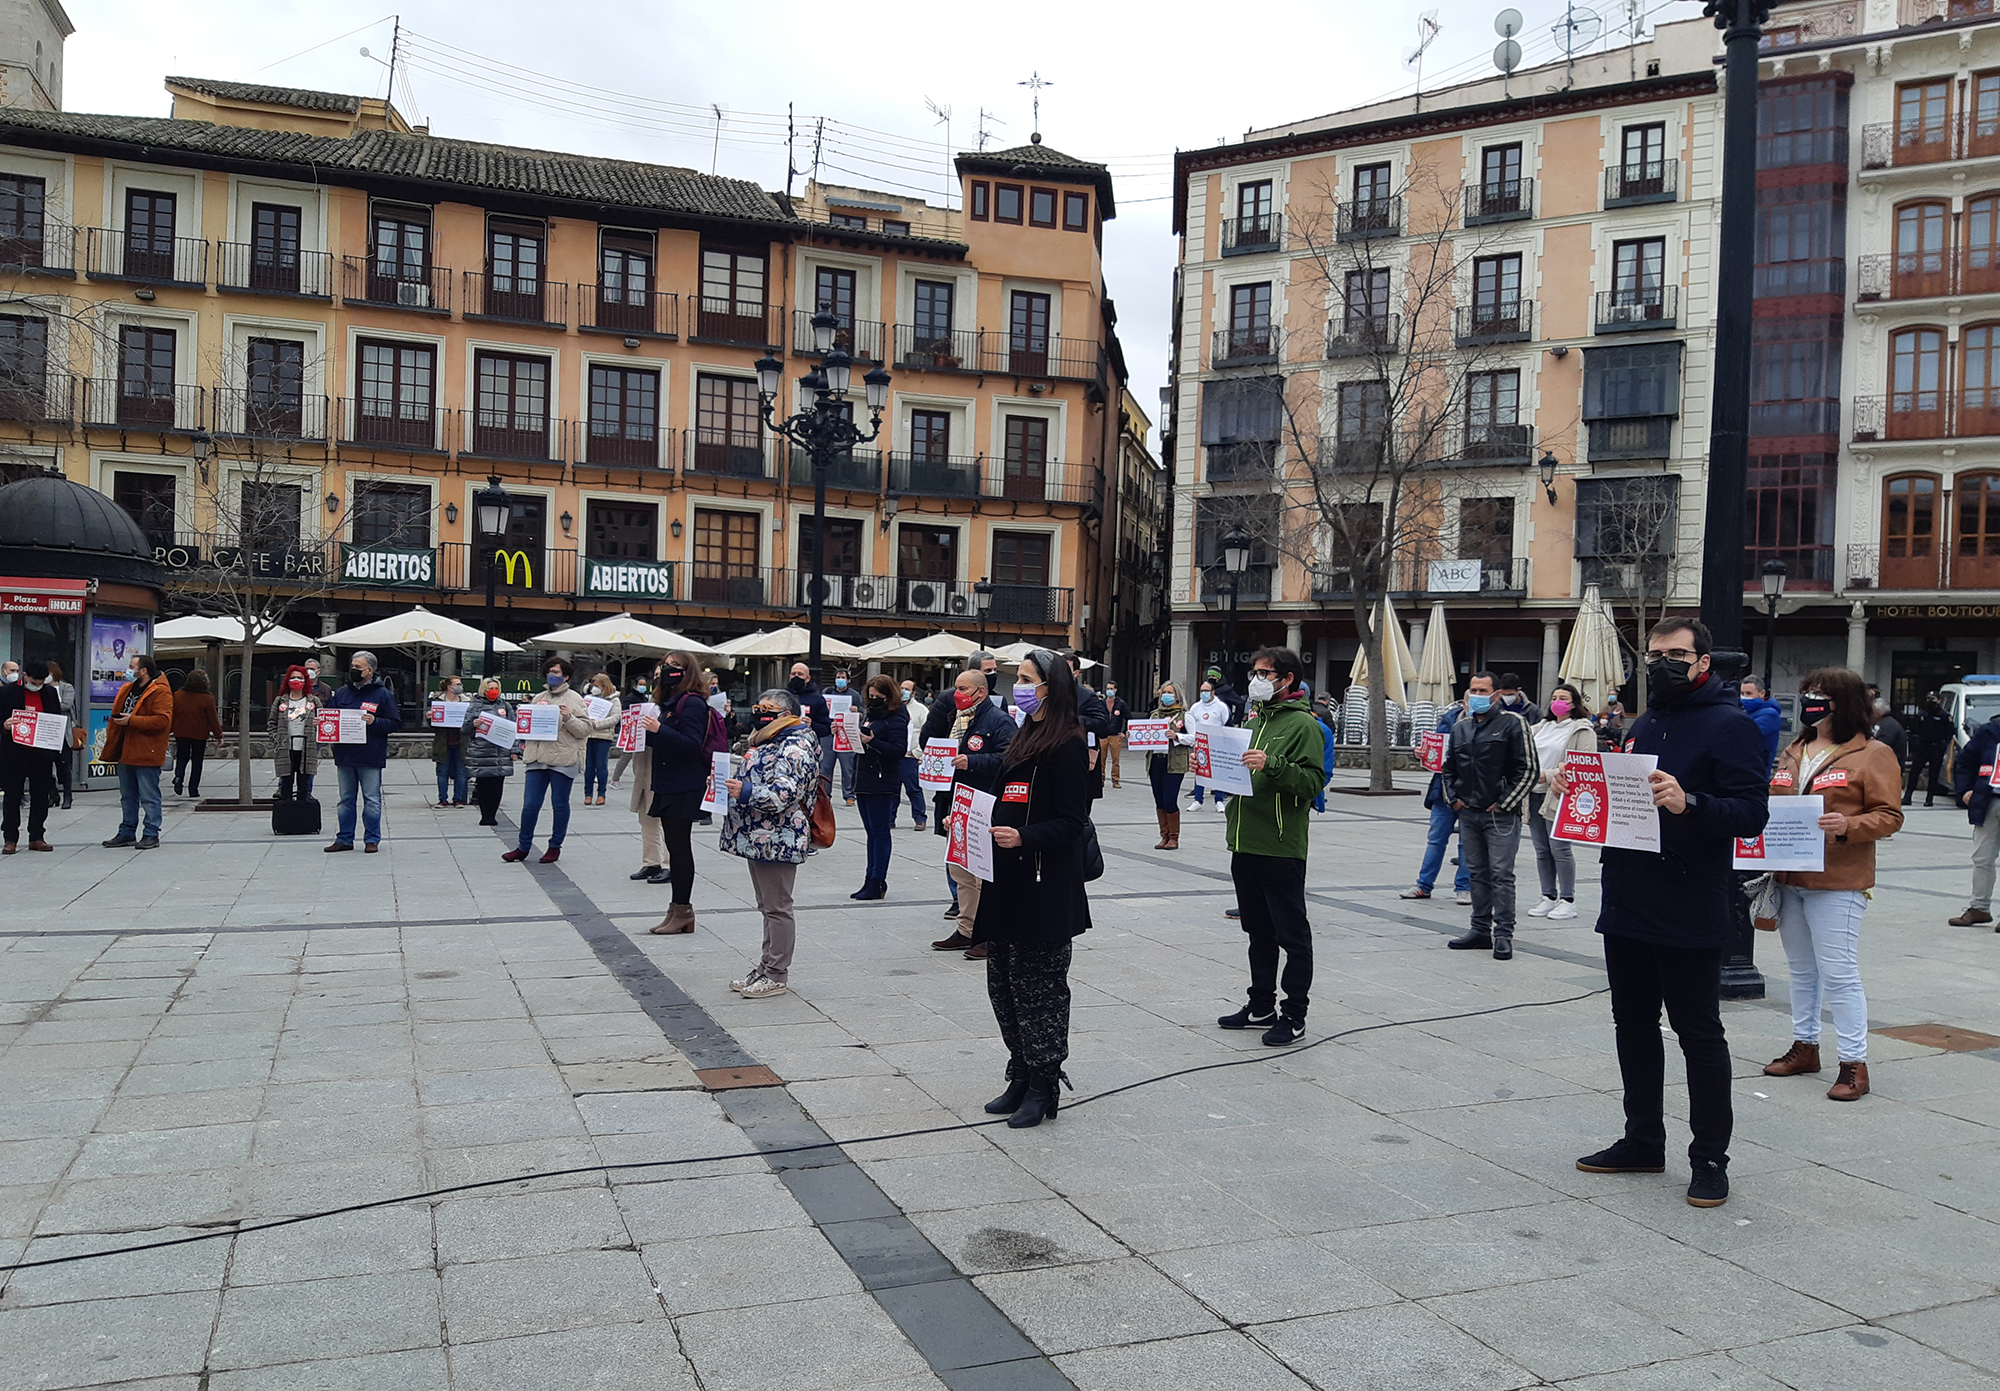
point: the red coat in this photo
(142, 740)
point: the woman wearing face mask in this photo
(1166, 770)
(448, 749)
(1037, 904)
(769, 824)
(1819, 914)
(878, 774)
(679, 742)
(489, 764)
(597, 749)
(1567, 730)
(551, 766)
(1209, 711)
(294, 745)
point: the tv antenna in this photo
(1427, 31)
(1573, 31)
(715, 152)
(1034, 83)
(943, 114)
(985, 134)
(1507, 53)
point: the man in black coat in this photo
(1097, 722)
(1490, 770)
(813, 706)
(1225, 693)
(1972, 788)
(24, 766)
(1889, 730)
(983, 731)
(1933, 743)
(1668, 918)
(1121, 715)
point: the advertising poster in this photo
(1792, 838)
(112, 643)
(1608, 800)
(100, 727)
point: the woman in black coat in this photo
(1036, 903)
(878, 776)
(679, 745)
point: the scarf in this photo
(773, 729)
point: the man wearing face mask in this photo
(988, 666)
(845, 760)
(10, 673)
(1667, 917)
(23, 766)
(1507, 695)
(1489, 769)
(920, 714)
(982, 731)
(142, 713)
(1095, 716)
(360, 766)
(1114, 742)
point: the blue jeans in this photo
(1166, 786)
(452, 779)
(878, 818)
(916, 791)
(596, 766)
(367, 782)
(846, 762)
(138, 788)
(1443, 821)
(1221, 798)
(533, 791)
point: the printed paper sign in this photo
(847, 732)
(1992, 772)
(1147, 736)
(1218, 759)
(495, 729)
(934, 765)
(341, 727)
(449, 714)
(716, 795)
(1430, 748)
(631, 734)
(37, 729)
(1019, 715)
(970, 839)
(597, 707)
(1607, 801)
(542, 723)
(1792, 839)
(838, 705)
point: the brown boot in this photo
(1972, 917)
(1161, 817)
(679, 918)
(1852, 1085)
(1173, 830)
(1800, 1057)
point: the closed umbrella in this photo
(1437, 674)
(1400, 666)
(1593, 662)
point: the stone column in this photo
(1183, 669)
(1551, 656)
(1857, 639)
(1294, 634)
(1418, 627)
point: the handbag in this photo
(1089, 857)
(822, 816)
(1763, 895)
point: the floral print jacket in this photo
(770, 820)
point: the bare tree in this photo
(1628, 537)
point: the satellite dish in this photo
(1507, 23)
(1507, 55)
(366, 54)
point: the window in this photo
(402, 252)
(146, 375)
(1028, 333)
(1981, 271)
(398, 388)
(1249, 321)
(1371, 183)
(926, 552)
(618, 530)
(1630, 396)
(1007, 202)
(732, 296)
(274, 403)
(930, 434)
(848, 221)
(1909, 532)
(1492, 403)
(1027, 456)
(893, 228)
(522, 557)
(149, 234)
(274, 247)
(268, 513)
(1486, 529)
(843, 548)
(833, 292)
(1642, 152)
(1042, 207)
(512, 416)
(1638, 273)
(23, 203)
(149, 498)
(1625, 530)
(624, 416)
(1367, 299)
(26, 393)
(625, 281)
(1361, 422)
(515, 252)
(1920, 250)
(1795, 376)
(1799, 240)
(1021, 557)
(1802, 123)
(1241, 424)
(1975, 556)
(1496, 294)
(1253, 201)
(1076, 212)
(1979, 406)
(1984, 136)
(931, 313)
(1790, 517)
(1923, 134)
(981, 191)
(1500, 179)
(725, 556)
(729, 430)
(1916, 371)
(391, 514)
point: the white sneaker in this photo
(763, 988)
(1465, 899)
(756, 974)
(1544, 908)
(1564, 908)
(1217, 804)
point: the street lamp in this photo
(982, 596)
(824, 429)
(1774, 590)
(1235, 560)
(492, 510)
(1548, 467)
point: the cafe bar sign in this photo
(627, 579)
(389, 567)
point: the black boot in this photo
(65, 801)
(1008, 1101)
(872, 889)
(1503, 948)
(1474, 940)
(1039, 1103)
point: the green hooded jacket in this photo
(1273, 820)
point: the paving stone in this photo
(540, 1294)
(1969, 1332)
(1391, 1348)
(421, 1369)
(141, 1201)
(528, 1224)
(122, 1342)
(619, 1357)
(163, 1151)
(194, 1266)
(353, 1243)
(1563, 1328)
(841, 1341)
(1205, 1362)
(1264, 1280)
(747, 1269)
(1851, 1359)
(1072, 1307)
(265, 1325)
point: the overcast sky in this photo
(1129, 84)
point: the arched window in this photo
(1975, 556)
(1979, 407)
(1923, 265)
(1916, 379)
(1909, 532)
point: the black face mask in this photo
(992, 681)
(764, 717)
(1811, 712)
(357, 676)
(797, 685)
(1668, 680)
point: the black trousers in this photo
(34, 777)
(1688, 982)
(679, 836)
(1271, 895)
(1029, 987)
(189, 754)
(486, 792)
(1929, 763)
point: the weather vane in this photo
(1035, 83)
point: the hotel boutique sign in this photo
(389, 567)
(627, 579)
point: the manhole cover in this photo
(1949, 1037)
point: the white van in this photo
(1970, 703)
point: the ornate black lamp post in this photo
(492, 510)
(1235, 560)
(824, 429)
(1774, 590)
(982, 595)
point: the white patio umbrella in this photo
(1013, 652)
(883, 647)
(1400, 666)
(626, 636)
(1436, 672)
(194, 633)
(1593, 661)
(793, 641)
(938, 647)
(419, 629)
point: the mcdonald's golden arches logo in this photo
(511, 557)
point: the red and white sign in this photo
(935, 765)
(36, 729)
(19, 595)
(341, 727)
(716, 794)
(1792, 838)
(969, 838)
(1608, 800)
(1430, 749)
(847, 732)
(1148, 736)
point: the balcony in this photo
(1506, 200)
(745, 325)
(533, 569)
(608, 444)
(1255, 585)
(1247, 236)
(1359, 451)
(930, 350)
(1252, 462)
(1637, 308)
(1927, 415)
(1640, 437)
(1629, 185)
(1491, 443)
(840, 593)
(262, 415)
(270, 270)
(632, 313)
(53, 252)
(112, 254)
(1376, 217)
(508, 299)
(1925, 275)
(857, 470)
(140, 405)
(1441, 579)
(947, 475)
(1030, 605)
(1037, 480)
(1040, 355)
(714, 582)
(1808, 567)
(502, 434)
(38, 398)
(1623, 579)
(1369, 336)
(860, 339)
(1964, 135)
(1501, 321)
(728, 454)
(390, 285)
(1245, 347)
(405, 426)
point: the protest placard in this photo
(716, 795)
(1792, 839)
(597, 707)
(934, 765)
(970, 838)
(1608, 800)
(37, 729)
(1147, 736)
(341, 727)
(449, 714)
(1218, 760)
(542, 723)
(1430, 750)
(496, 729)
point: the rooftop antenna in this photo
(943, 114)
(715, 153)
(1575, 30)
(985, 134)
(395, 52)
(1507, 53)
(1035, 83)
(1427, 30)
(1635, 25)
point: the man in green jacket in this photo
(1267, 844)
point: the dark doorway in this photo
(1914, 675)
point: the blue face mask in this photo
(1479, 704)
(840, 683)
(554, 679)
(1028, 699)
(1166, 697)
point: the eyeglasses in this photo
(1271, 672)
(1675, 654)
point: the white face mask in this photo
(1262, 688)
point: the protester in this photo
(79, 728)
(320, 689)
(919, 714)
(1566, 731)
(1328, 716)
(844, 760)
(142, 713)
(1507, 695)
(1113, 744)
(988, 667)
(603, 731)
(1764, 712)
(1038, 904)
(1444, 821)
(24, 769)
(196, 721)
(1209, 711)
(10, 673)
(489, 764)
(294, 738)
(1933, 741)
(550, 767)
(448, 749)
(680, 742)
(813, 709)
(1611, 728)
(983, 733)
(1667, 918)
(1489, 770)
(637, 695)
(1165, 770)
(1972, 788)
(878, 778)
(360, 765)
(1819, 913)
(1095, 716)
(1887, 729)
(769, 824)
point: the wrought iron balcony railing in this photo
(860, 339)
(634, 313)
(1244, 347)
(1498, 321)
(115, 254)
(1503, 200)
(265, 415)
(1652, 181)
(941, 475)
(514, 300)
(625, 444)
(142, 405)
(505, 434)
(1373, 217)
(39, 398)
(734, 321)
(374, 281)
(1637, 307)
(1039, 355)
(937, 350)
(1246, 236)
(273, 270)
(1365, 336)
(728, 454)
(48, 250)
(405, 426)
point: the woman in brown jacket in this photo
(1819, 915)
(195, 722)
